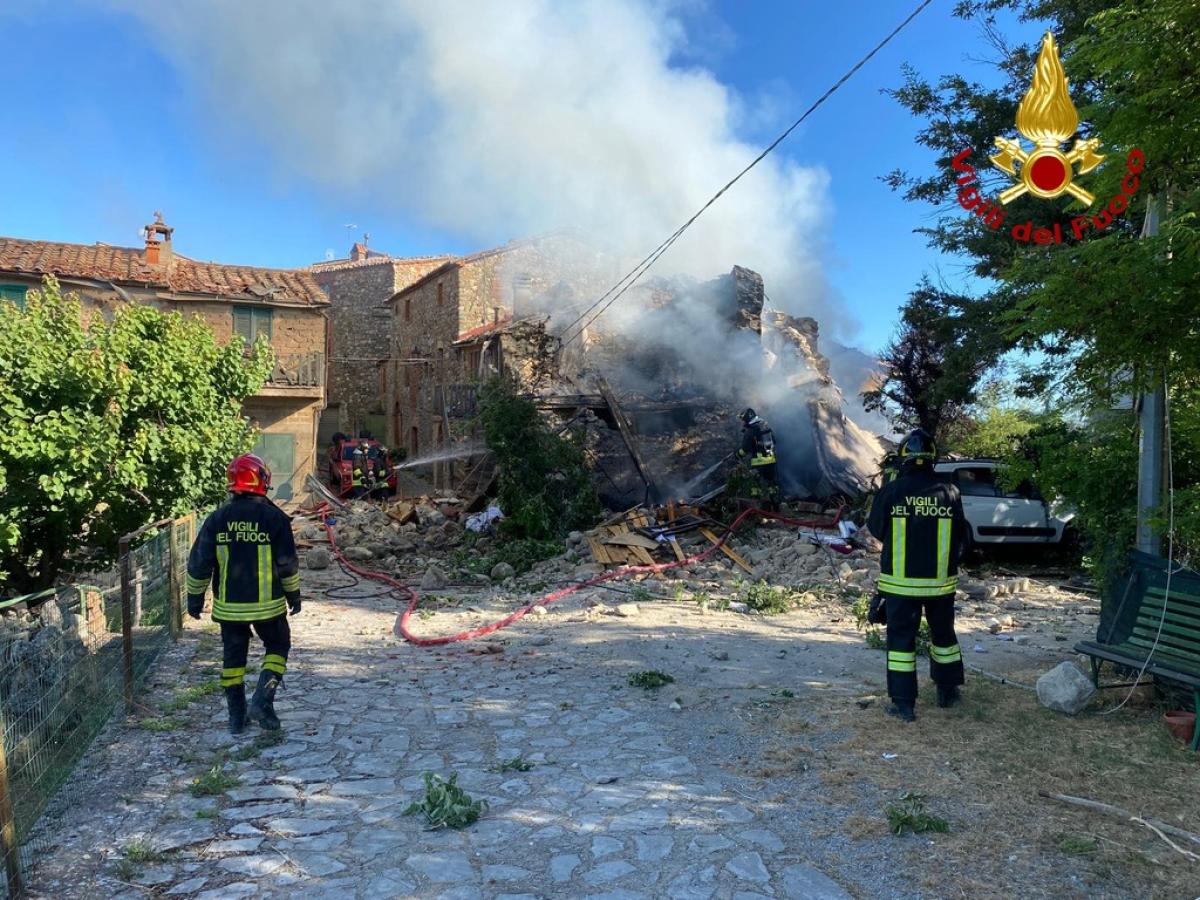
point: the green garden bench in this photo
(1176, 658)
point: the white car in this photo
(1018, 516)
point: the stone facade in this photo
(360, 334)
(447, 327)
(288, 304)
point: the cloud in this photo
(496, 120)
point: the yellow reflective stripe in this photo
(264, 573)
(273, 662)
(762, 460)
(943, 548)
(197, 585)
(223, 565)
(917, 587)
(231, 677)
(902, 661)
(946, 654)
(248, 612)
(899, 545)
(291, 582)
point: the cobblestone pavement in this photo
(628, 796)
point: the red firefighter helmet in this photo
(248, 475)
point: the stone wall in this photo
(361, 332)
(554, 276)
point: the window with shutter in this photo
(13, 293)
(251, 322)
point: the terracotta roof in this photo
(336, 265)
(127, 265)
(489, 328)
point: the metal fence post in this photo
(127, 618)
(8, 828)
(173, 610)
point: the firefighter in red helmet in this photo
(246, 550)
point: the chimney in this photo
(158, 241)
(358, 252)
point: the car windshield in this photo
(977, 482)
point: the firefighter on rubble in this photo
(920, 522)
(758, 446)
(246, 549)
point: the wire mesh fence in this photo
(69, 658)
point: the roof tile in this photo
(127, 265)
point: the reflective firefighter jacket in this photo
(758, 442)
(921, 524)
(246, 548)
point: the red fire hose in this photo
(401, 629)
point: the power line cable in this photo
(631, 277)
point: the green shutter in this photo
(251, 322)
(262, 323)
(243, 324)
(14, 293)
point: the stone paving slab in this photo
(620, 798)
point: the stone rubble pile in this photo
(434, 553)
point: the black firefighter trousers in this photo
(276, 636)
(945, 657)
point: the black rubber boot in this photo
(902, 710)
(235, 699)
(948, 695)
(262, 704)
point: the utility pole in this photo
(1152, 422)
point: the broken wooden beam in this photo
(727, 550)
(628, 436)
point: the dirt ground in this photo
(794, 702)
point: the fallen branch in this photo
(1000, 678)
(1153, 824)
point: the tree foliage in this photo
(995, 428)
(933, 366)
(545, 488)
(108, 426)
(1107, 316)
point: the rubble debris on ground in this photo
(1065, 689)
(422, 542)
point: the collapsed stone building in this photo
(653, 388)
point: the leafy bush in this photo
(445, 804)
(769, 600)
(908, 815)
(875, 637)
(545, 488)
(109, 426)
(650, 680)
(214, 782)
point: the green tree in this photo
(1107, 316)
(109, 426)
(995, 427)
(933, 366)
(545, 488)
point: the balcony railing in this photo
(298, 370)
(461, 399)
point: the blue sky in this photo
(103, 130)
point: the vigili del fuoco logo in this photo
(1047, 118)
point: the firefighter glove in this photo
(877, 611)
(195, 605)
(293, 603)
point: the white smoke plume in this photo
(496, 120)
